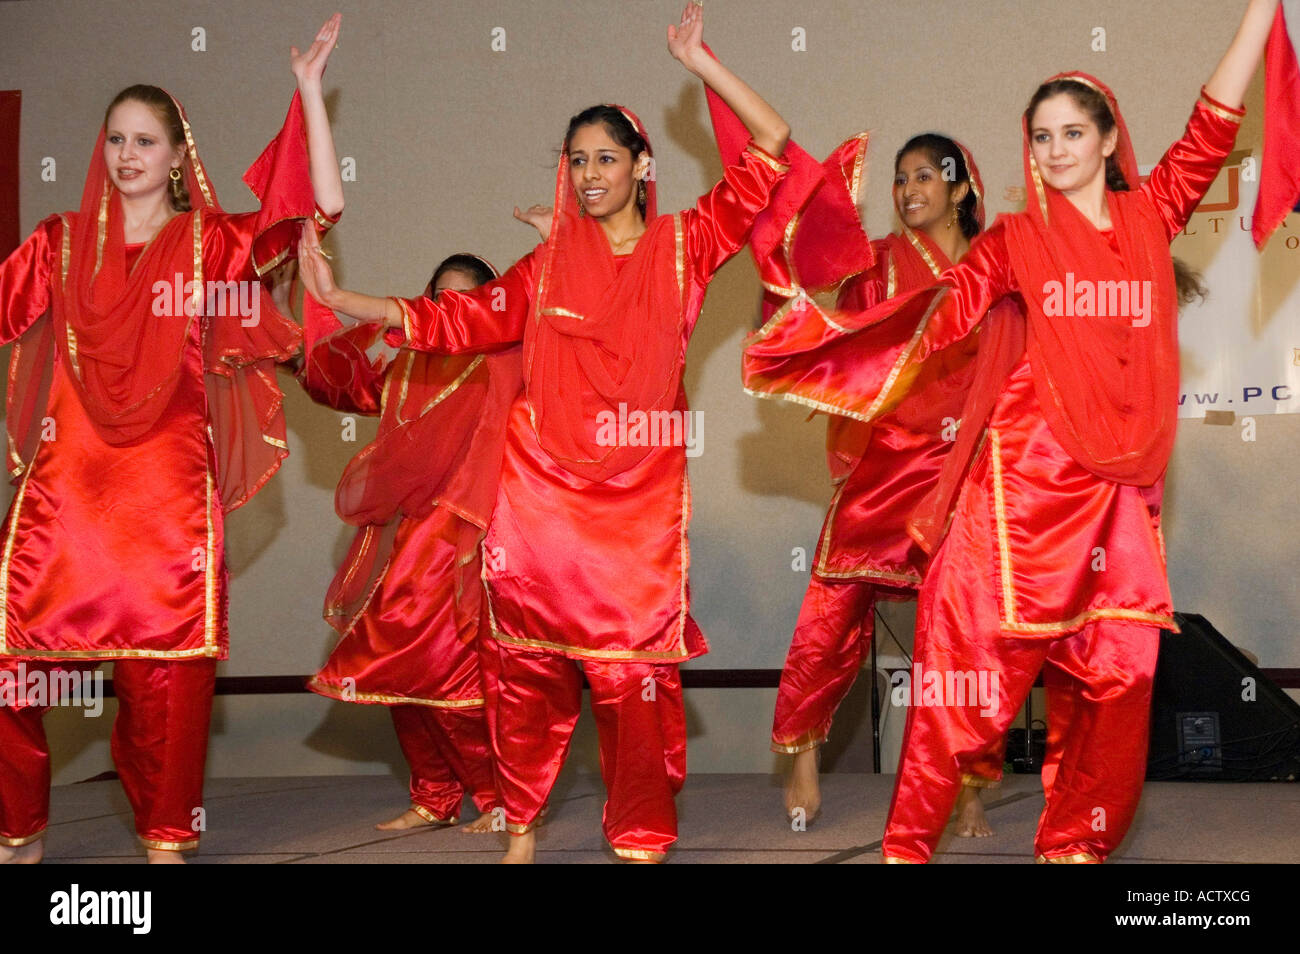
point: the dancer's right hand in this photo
(539, 217)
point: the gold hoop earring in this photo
(175, 174)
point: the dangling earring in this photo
(640, 192)
(953, 220)
(582, 211)
(175, 175)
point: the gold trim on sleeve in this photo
(776, 165)
(1220, 110)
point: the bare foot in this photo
(411, 819)
(523, 849)
(162, 856)
(803, 789)
(28, 854)
(481, 825)
(969, 815)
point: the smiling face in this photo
(603, 174)
(1068, 146)
(923, 198)
(137, 152)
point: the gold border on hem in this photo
(639, 854)
(979, 781)
(316, 684)
(1078, 858)
(25, 840)
(797, 747)
(431, 818)
(169, 845)
(895, 860)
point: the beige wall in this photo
(447, 136)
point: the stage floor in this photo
(723, 818)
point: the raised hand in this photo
(309, 67)
(539, 217)
(686, 40)
(315, 272)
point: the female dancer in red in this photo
(1048, 506)
(881, 470)
(407, 598)
(586, 555)
(142, 407)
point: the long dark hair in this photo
(945, 153)
(620, 129)
(170, 117)
(1190, 283)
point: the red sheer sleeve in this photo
(718, 227)
(866, 289)
(861, 363)
(25, 280)
(486, 318)
(974, 286)
(1188, 169)
(347, 370)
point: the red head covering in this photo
(600, 337)
(1108, 383)
(1108, 387)
(125, 360)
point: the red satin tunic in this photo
(1054, 545)
(884, 469)
(404, 646)
(116, 551)
(594, 570)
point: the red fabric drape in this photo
(588, 348)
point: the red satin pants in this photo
(159, 745)
(1099, 684)
(533, 703)
(832, 642)
(449, 754)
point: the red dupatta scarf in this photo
(600, 337)
(1107, 387)
(1108, 384)
(442, 431)
(125, 361)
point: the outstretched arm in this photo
(318, 278)
(686, 43)
(309, 68)
(1233, 74)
